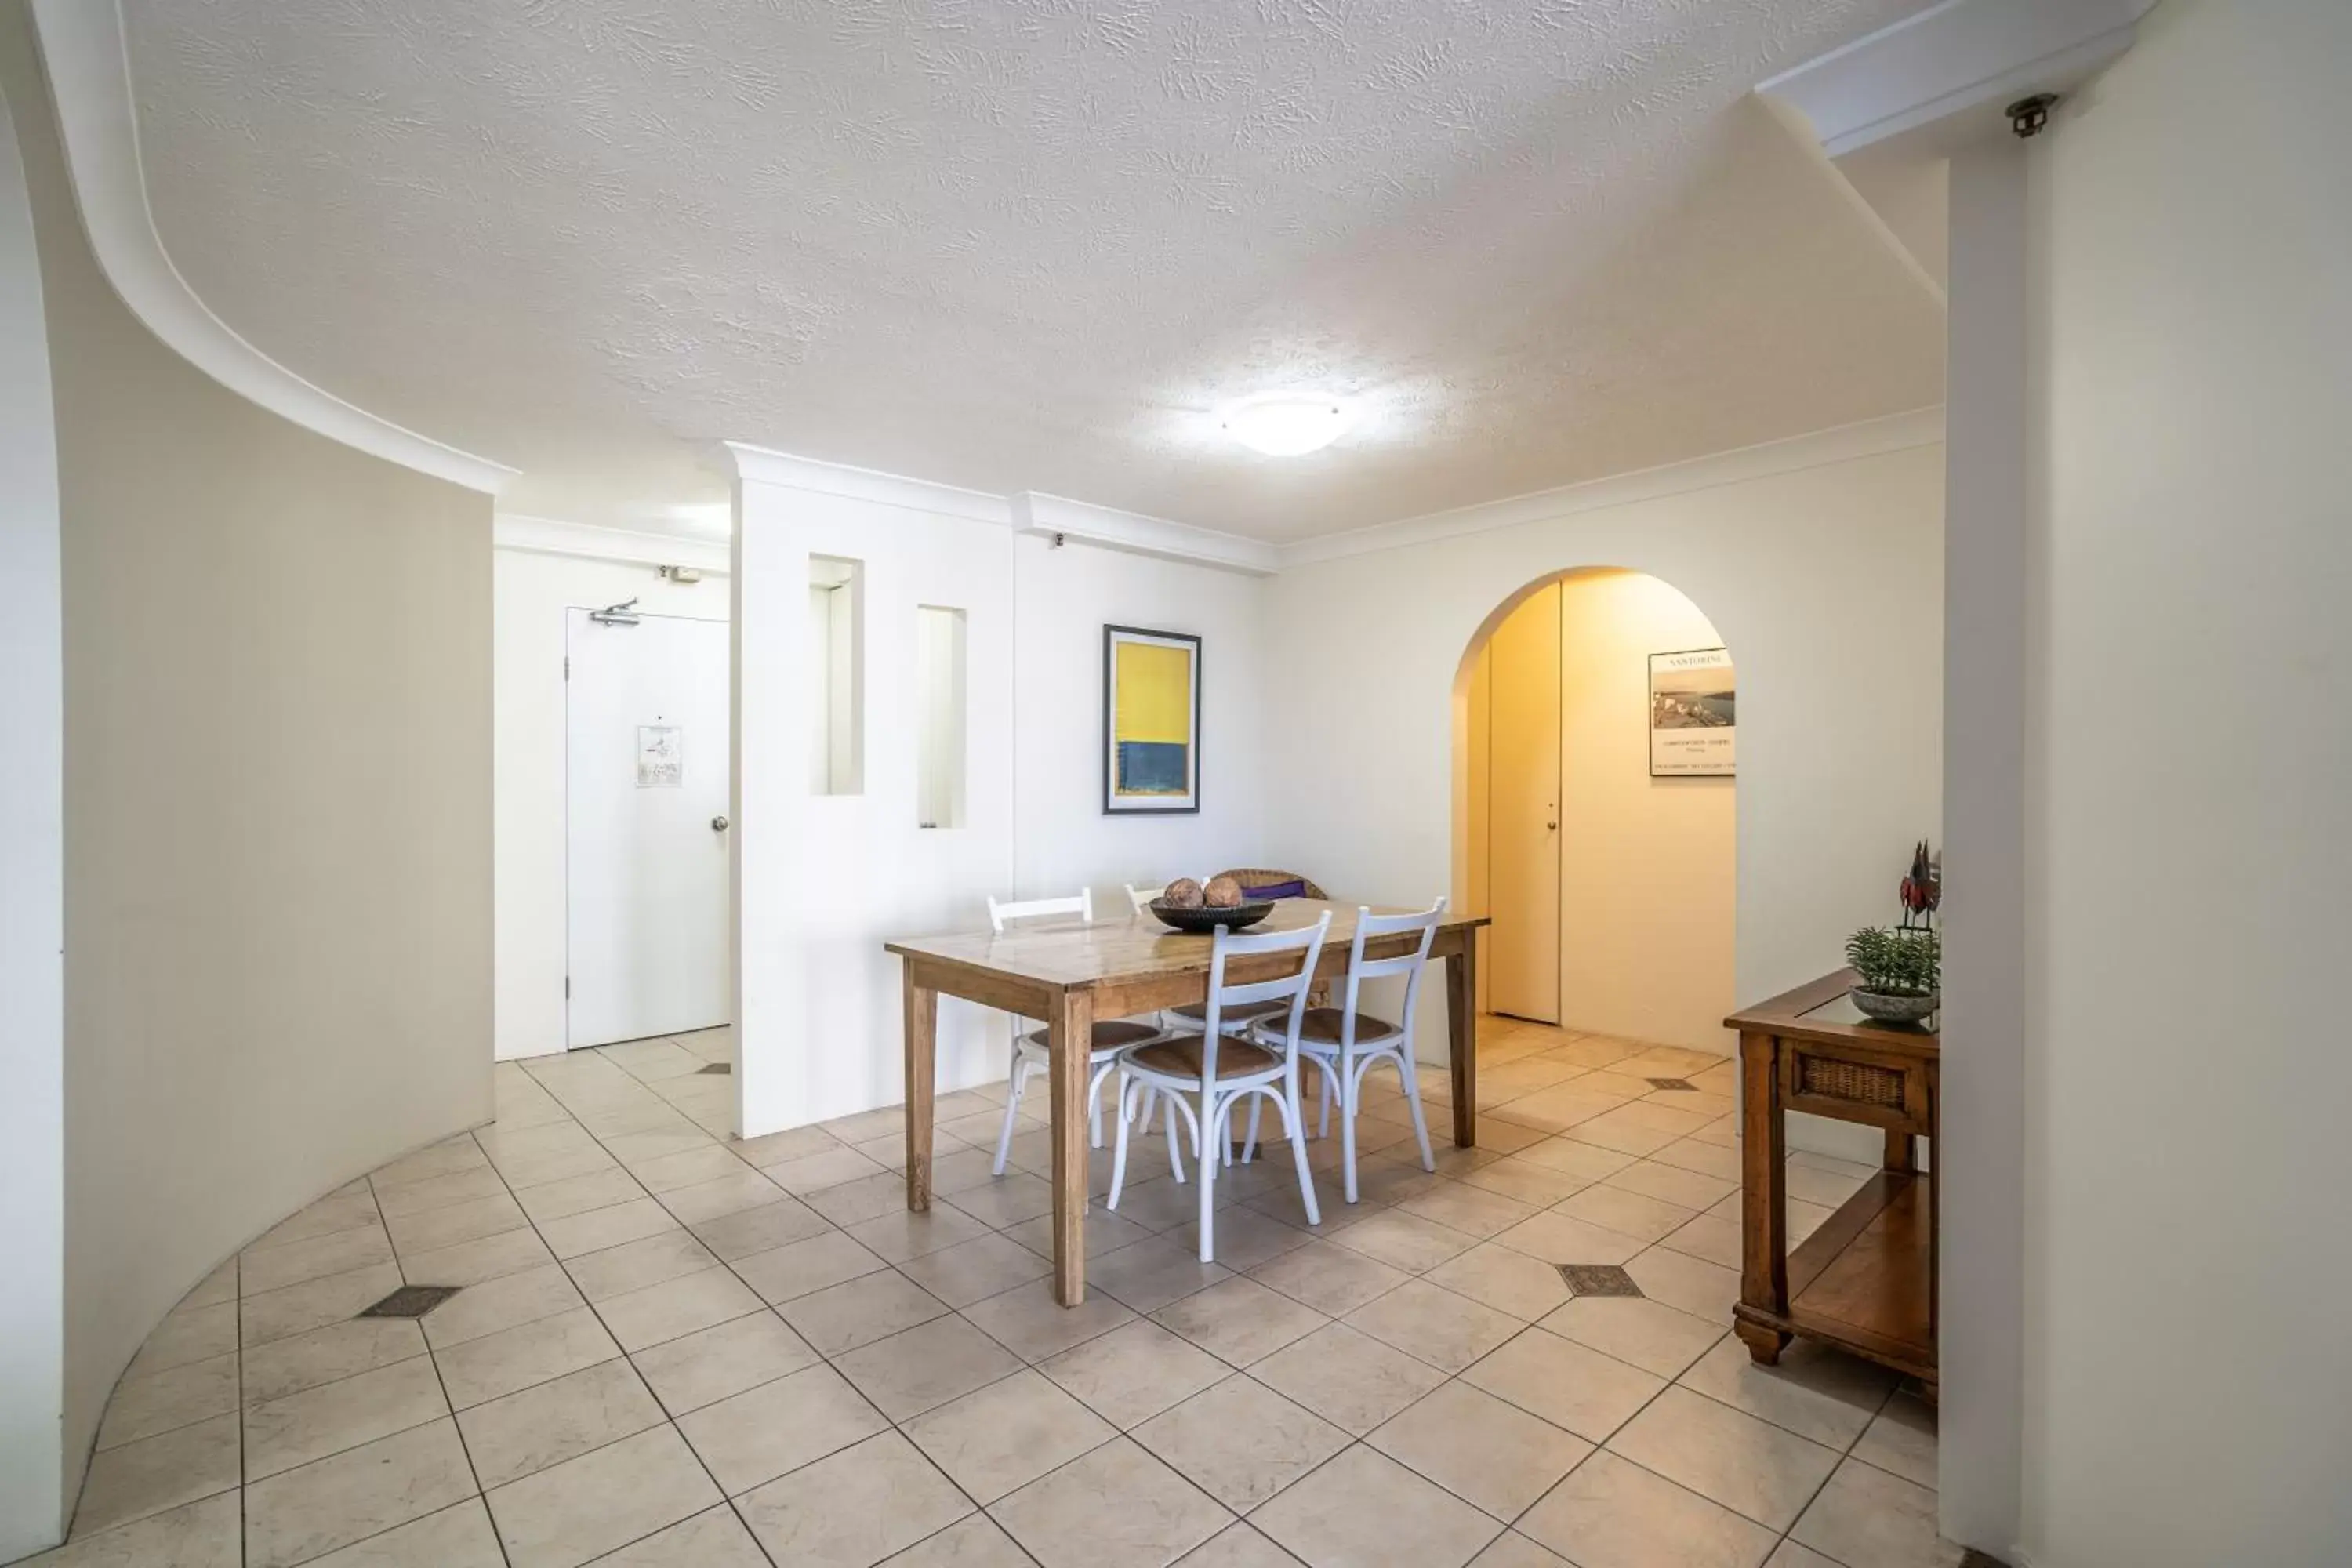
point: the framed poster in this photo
(1151, 721)
(1692, 720)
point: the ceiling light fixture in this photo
(1285, 424)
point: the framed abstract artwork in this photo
(1151, 721)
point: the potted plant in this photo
(1897, 973)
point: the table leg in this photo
(1764, 1198)
(1462, 1031)
(923, 1055)
(1900, 1155)
(1071, 1031)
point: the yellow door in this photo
(1523, 810)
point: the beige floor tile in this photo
(1815, 1392)
(676, 1308)
(997, 1439)
(1028, 1321)
(841, 1318)
(315, 1508)
(1569, 1385)
(1539, 1187)
(339, 1349)
(1555, 1238)
(1237, 1546)
(1473, 1211)
(926, 1367)
(1749, 1466)
(1693, 1285)
(1507, 1280)
(775, 1427)
(701, 1368)
(669, 1253)
(1612, 1514)
(900, 1233)
(701, 1203)
(1348, 1378)
(775, 1148)
(315, 1257)
(1627, 1212)
(426, 1229)
(584, 1508)
(205, 1534)
(1006, 1200)
(1575, 1157)
(1827, 1183)
(1330, 1279)
(1240, 1442)
(501, 1303)
(1148, 1274)
(974, 1542)
(1480, 1449)
(578, 1194)
(1132, 1374)
(158, 1473)
(555, 1165)
(1432, 1324)
(1106, 1233)
(776, 1221)
(1558, 1109)
(976, 1270)
(858, 1506)
(458, 1537)
(703, 1162)
(830, 1165)
(281, 1434)
(1157, 1204)
(1865, 1515)
(804, 1267)
(1789, 1555)
(1901, 1439)
(607, 1229)
(1404, 1241)
(1705, 1159)
(1154, 1516)
(350, 1209)
(1364, 1509)
(1650, 1334)
(445, 1158)
(297, 1308)
(714, 1538)
(638, 1150)
(1709, 1237)
(186, 1334)
(1240, 1237)
(1239, 1321)
(523, 1433)
(161, 1401)
(1673, 1184)
(1512, 1550)
(472, 1262)
(514, 1359)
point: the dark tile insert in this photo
(1683, 1084)
(715, 1067)
(1597, 1279)
(411, 1301)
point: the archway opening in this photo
(1595, 816)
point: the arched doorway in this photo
(1596, 817)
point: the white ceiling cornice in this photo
(1958, 56)
(82, 45)
(1896, 433)
(554, 536)
(763, 464)
(1036, 512)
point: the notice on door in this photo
(661, 757)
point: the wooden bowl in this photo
(1200, 920)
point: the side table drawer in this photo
(1849, 1083)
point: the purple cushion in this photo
(1294, 888)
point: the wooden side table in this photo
(1866, 1280)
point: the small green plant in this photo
(1896, 962)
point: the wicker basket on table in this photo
(1257, 877)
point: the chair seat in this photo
(1323, 1026)
(1197, 1013)
(1181, 1058)
(1111, 1034)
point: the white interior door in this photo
(1523, 810)
(646, 833)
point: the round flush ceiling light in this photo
(1285, 424)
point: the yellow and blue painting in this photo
(1152, 702)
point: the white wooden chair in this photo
(1191, 1017)
(1347, 1042)
(1209, 1074)
(1032, 1050)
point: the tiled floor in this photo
(674, 1348)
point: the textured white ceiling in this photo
(1033, 244)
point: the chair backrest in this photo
(1001, 910)
(1413, 964)
(1307, 942)
(1141, 897)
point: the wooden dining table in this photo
(1068, 973)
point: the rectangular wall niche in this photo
(836, 658)
(939, 717)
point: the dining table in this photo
(1066, 972)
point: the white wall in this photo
(532, 592)
(2188, 1373)
(32, 910)
(1824, 578)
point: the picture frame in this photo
(1694, 714)
(1151, 722)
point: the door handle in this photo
(718, 824)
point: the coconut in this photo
(1222, 893)
(1184, 893)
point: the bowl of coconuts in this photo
(1185, 905)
